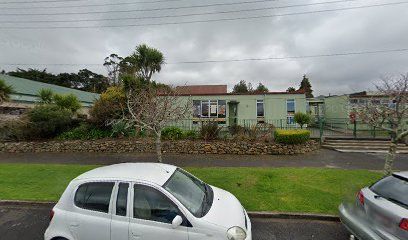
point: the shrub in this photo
(121, 128)
(48, 121)
(236, 129)
(5, 91)
(46, 96)
(13, 130)
(110, 106)
(210, 130)
(291, 136)
(190, 134)
(172, 133)
(302, 118)
(84, 132)
(69, 101)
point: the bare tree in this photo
(153, 108)
(112, 64)
(389, 111)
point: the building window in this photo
(222, 108)
(291, 120)
(260, 113)
(290, 105)
(209, 108)
(290, 111)
(205, 105)
(196, 108)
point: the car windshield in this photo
(194, 194)
(394, 188)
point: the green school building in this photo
(214, 103)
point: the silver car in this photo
(381, 211)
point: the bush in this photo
(48, 121)
(190, 134)
(236, 129)
(84, 132)
(46, 96)
(172, 133)
(291, 136)
(302, 118)
(13, 130)
(121, 128)
(110, 106)
(69, 101)
(210, 130)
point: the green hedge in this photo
(291, 136)
(84, 132)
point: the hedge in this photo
(291, 136)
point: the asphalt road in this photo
(323, 158)
(24, 223)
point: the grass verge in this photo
(280, 189)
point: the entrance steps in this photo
(361, 146)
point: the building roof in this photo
(27, 90)
(202, 89)
(243, 94)
(151, 172)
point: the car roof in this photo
(402, 174)
(157, 173)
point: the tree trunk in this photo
(158, 146)
(389, 160)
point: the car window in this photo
(150, 204)
(94, 196)
(121, 200)
(392, 188)
(190, 191)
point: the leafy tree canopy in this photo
(291, 89)
(261, 88)
(306, 86)
(240, 87)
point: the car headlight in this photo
(236, 233)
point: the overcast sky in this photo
(365, 29)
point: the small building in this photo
(25, 95)
(213, 102)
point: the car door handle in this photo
(74, 224)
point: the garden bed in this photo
(170, 146)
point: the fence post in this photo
(374, 132)
(355, 129)
(321, 130)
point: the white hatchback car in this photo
(146, 201)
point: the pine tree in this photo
(306, 86)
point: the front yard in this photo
(280, 189)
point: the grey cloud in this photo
(344, 31)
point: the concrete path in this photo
(324, 158)
(30, 223)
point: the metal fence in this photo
(347, 128)
(324, 127)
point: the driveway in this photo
(30, 223)
(323, 158)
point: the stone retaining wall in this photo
(121, 146)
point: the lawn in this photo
(281, 189)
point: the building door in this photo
(233, 112)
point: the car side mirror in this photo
(177, 221)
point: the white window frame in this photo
(263, 106)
